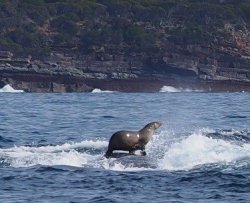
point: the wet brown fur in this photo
(132, 140)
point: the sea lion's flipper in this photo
(143, 153)
(108, 154)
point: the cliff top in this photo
(122, 26)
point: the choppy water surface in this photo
(52, 146)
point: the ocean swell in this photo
(165, 152)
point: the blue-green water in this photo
(52, 146)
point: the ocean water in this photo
(52, 147)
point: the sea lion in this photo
(132, 140)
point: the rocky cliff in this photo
(125, 45)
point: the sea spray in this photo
(198, 149)
(167, 151)
(170, 89)
(66, 154)
(96, 90)
(8, 89)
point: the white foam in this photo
(166, 151)
(117, 166)
(198, 149)
(171, 89)
(96, 90)
(65, 154)
(71, 158)
(9, 89)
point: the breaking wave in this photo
(199, 149)
(171, 89)
(165, 152)
(96, 90)
(9, 89)
(71, 154)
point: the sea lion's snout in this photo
(157, 125)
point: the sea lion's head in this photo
(152, 126)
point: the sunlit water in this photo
(52, 147)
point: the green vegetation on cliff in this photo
(124, 26)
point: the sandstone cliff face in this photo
(184, 67)
(125, 46)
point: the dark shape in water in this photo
(132, 140)
(4, 140)
(235, 116)
(136, 161)
(228, 135)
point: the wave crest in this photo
(71, 154)
(198, 149)
(171, 89)
(8, 89)
(166, 151)
(96, 90)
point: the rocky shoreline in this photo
(127, 46)
(61, 74)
